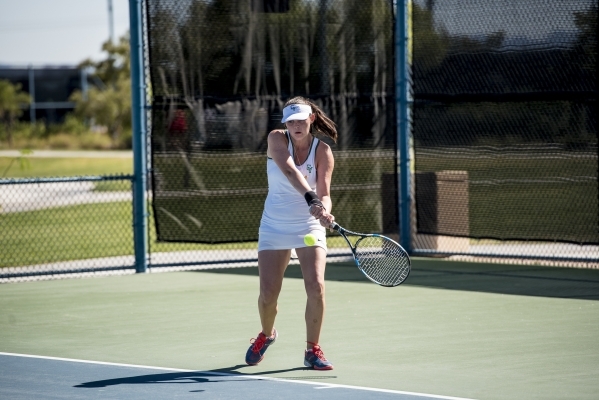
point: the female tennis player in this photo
(299, 169)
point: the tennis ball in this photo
(310, 239)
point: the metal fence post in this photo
(140, 208)
(402, 95)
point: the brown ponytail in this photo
(322, 123)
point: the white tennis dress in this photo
(286, 217)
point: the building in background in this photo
(49, 87)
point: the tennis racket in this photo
(382, 260)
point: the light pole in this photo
(110, 21)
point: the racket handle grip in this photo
(335, 226)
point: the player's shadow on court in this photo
(222, 375)
(523, 280)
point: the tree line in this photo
(105, 105)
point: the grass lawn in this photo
(85, 231)
(78, 232)
(50, 167)
(543, 196)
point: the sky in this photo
(516, 18)
(65, 32)
(57, 32)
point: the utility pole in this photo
(110, 21)
(32, 117)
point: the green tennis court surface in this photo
(483, 331)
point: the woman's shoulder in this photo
(323, 149)
(277, 139)
(277, 133)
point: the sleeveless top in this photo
(285, 208)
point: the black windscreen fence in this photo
(221, 71)
(505, 119)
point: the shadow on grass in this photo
(230, 374)
(525, 280)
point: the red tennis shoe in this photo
(314, 358)
(255, 353)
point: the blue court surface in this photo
(32, 377)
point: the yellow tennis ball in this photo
(310, 239)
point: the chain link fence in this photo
(63, 227)
(67, 226)
(505, 130)
(53, 228)
(82, 226)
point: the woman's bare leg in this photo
(313, 263)
(271, 267)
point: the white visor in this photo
(296, 111)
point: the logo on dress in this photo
(309, 167)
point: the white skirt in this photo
(280, 238)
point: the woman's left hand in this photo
(322, 216)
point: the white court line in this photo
(320, 384)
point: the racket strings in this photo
(382, 260)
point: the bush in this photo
(95, 141)
(125, 140)
(24, 135)
(73, 125)
(72, 134)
